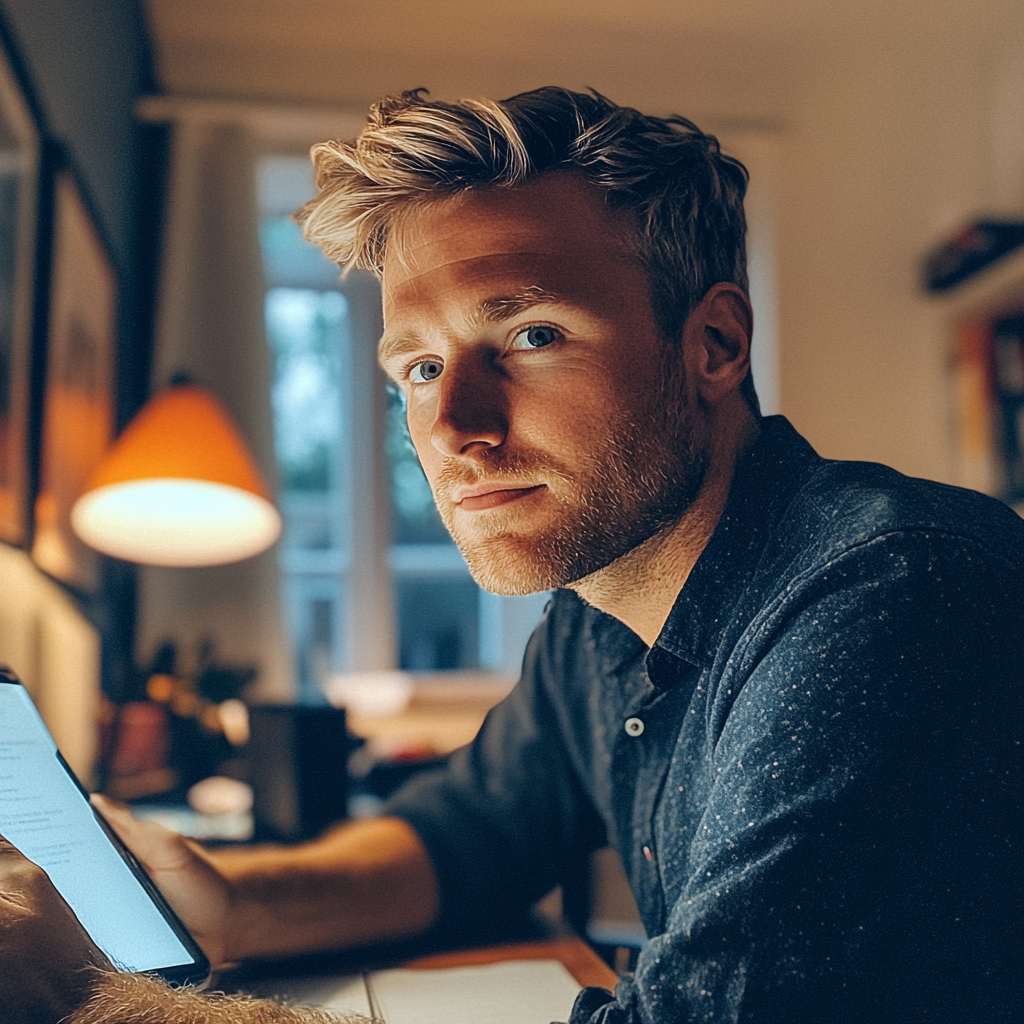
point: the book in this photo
(988, 380)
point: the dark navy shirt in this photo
(821, 754)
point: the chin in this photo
(514, 566)
(511, 566)
(511, 580)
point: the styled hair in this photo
(685, 195)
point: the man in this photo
(786, 690)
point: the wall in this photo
(900, 133)
(56, 654)
(84, 66)
(89, 62)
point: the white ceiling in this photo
(738, 60)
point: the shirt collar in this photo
(765, 482)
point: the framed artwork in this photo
(19, 178)
(78, 404)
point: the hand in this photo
(46, 955)
(182, 871)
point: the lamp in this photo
(178, 488)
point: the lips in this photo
(485, 496)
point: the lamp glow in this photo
(179, 488)
(176, 522)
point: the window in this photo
(371, 578)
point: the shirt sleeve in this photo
(507, 819)
(855, 857)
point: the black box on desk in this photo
(298, 765)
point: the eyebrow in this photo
(504, 307)
(495, 310)
(392, 347)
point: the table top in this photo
(541, 939)
(312, 983)
(577, 957)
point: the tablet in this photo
(46, 814)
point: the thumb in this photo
(9, 850)
(159, 848)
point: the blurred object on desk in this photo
(219, 810)
(139, 745)
(424, 712)
(408, 723)
(370, 693)
(219, 795)
(207, 828)
(298, 767)
(181, 724)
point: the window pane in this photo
(309, 336)
(308, 331)
(315, 604)
(437, 623)
(414, 515)
(288, 259)
(436, 599)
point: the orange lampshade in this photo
(178, 488)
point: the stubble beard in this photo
(639, 479)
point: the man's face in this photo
(551, 419)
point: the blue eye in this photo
(537, 336)
(428, 370)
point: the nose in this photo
(471, 413)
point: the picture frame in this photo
(20, 157)
(79, 396)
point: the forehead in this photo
(555, 232)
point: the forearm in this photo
(363, 882)
(134, 999)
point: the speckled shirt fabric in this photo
(828, 773)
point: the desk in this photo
(315, 980)
(579, 959)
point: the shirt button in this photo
(649, 854)
(634, 726)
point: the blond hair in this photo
(685, 194)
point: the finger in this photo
(112, 810)
(9, 852)
(18, 876)
(159, 849)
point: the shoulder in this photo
(845, 507)
(873, 583)
(861, 552)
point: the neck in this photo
(640, 587)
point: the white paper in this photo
(337, 992)
(510, 992)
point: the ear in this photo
(717, 334)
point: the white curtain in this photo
(210, 325)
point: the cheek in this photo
(563, 418)
(420, 420)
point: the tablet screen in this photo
(45, 815)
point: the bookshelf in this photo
(996, 290)
(984, 321)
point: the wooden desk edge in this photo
(579, 959)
